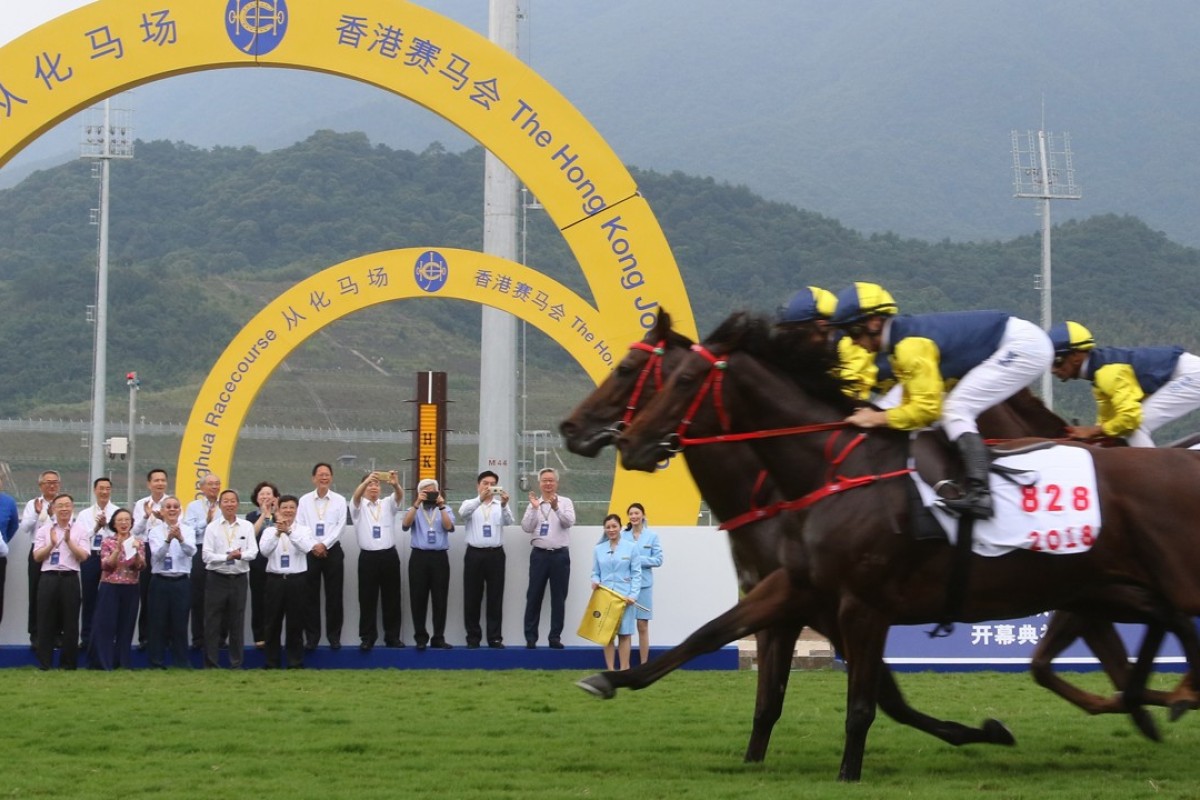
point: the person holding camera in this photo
(378, 561)
(485, 516)
(431, 523)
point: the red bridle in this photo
(835, 483)
(653, 366)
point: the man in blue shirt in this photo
(430, 522)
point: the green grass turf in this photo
(474, 734)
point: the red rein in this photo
(834, 482)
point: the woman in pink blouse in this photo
(122, 559)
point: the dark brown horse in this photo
(1141, 569)
(759, 548)
(756, 552)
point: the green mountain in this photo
(200, 239)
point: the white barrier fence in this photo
(696, 583)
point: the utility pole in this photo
(1043, 170)
(131, 380)
(498, 340)
(108, 137)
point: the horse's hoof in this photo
(998, 733)
(597, 685)
(1178, 709)
(1145, 724)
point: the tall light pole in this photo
(498, 340)
(109, 137)
(1043, 170)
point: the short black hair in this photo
(320, 464)
(487, 473)
(150, 474)
(96, 482)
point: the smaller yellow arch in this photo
(261, 346)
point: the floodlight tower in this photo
(107, 134)
(1043, 170)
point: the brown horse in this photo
(598, 420)
(1140, 569)
(759, 548)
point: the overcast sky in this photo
(20, 16)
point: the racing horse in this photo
(597, 421)
(760, 547)
(1140, 569)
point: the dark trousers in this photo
(170, 606)
(286, 598)
(34, 570)
(429, 578)
(199, 574)
(483, 571)
(553, 567)
(379, 583)
(89, 580)
(58, 611)
(143, 625)
(224, 608)
(116, 616)
(258, 598)
(331, 570)
(3, 573)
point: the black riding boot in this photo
(978, 498)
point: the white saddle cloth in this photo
(1051, 507)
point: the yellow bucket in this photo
(603, 616)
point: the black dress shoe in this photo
(394, 643)
(556, 645)
(443, 645)
(420, 647)
(496, 645)
(472, 645)
(366, 646)
(530, 645)
(335, 645)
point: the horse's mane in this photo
(812, 369)
(1042, 421)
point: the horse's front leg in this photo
(776, 646)
(864, 634)
(772, 601)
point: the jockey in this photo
(992, 354)
(805, 320)
(1138, 390)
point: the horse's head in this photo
(738, 380)
(603, 414)
(1020, 416)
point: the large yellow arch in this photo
(303, 310)
(112, 45)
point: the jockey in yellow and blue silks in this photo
(992, 354)
(1138, 389)
(805, 320)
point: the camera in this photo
(497, 490)
(430, 500)
(382, 477)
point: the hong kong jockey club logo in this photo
(431, 271)
(256, 27)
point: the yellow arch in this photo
(303, 310)
(112, 45)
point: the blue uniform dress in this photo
(619, 569)
(652, 556)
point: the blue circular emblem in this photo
(431, 271)
(256, 27)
